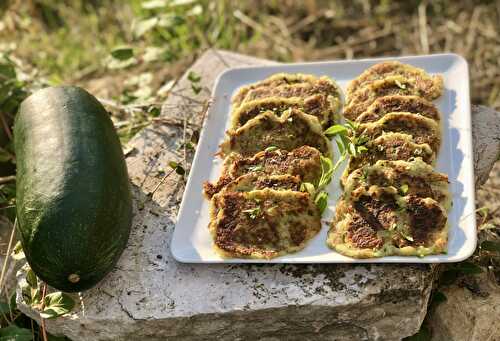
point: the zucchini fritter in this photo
(262, 223)
(430, 87)
(319, 97)
(291, 130)
(303, 162)
(312, 105)
(390, 146)
(422, 129)
(397, 103)
(272, 81)
(407, 178)
(379, 223)
(362, 98)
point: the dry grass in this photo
(314, 30)
(285, 30)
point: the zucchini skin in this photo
(73, 200)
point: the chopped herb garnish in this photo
(253, 212)
(256, 168)
(327, 170)
(307, 187)
(321, 201)
(403, 189)
(399, 84)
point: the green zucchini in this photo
(73, 200)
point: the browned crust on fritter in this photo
(414, 178)
(362, 98)
(393, 146)
(422, 129)
(425, 219)
(303, 162)
(397, 103)
(272, 81)
(430, 87)
(291, 130)
(263, 224)
(373, 220)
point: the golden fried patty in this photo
(415, 178)
(291, 130)
(381, 223)
(430, 87)
(255, 180)
(319, 97)
(390, 146)
(303, 162)
(263, 223)
(312, 105)
(397, 103)
(272, 81)
(363, 97)
(422, 129)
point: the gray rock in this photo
(149, 296)
(470, 313)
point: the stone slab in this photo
(149, 296)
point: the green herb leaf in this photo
(57, 304)
(327, 170)
(335, 130)
(321, 201)
(307, 187)
(403, 189)
(122, 53)
(352, 149)
(361, 149)
(253, 212)
(256, 168)
(340, 144)
(351, 124)
(489, 245)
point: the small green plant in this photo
(348, 143)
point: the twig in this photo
(221, 58)
(184, 134)
(42, 320)
(161, 182)
(7, 257)
(6, 126)
(257, 27)
(422, 24)
(7, 179)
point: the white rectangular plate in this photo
(192, 242)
